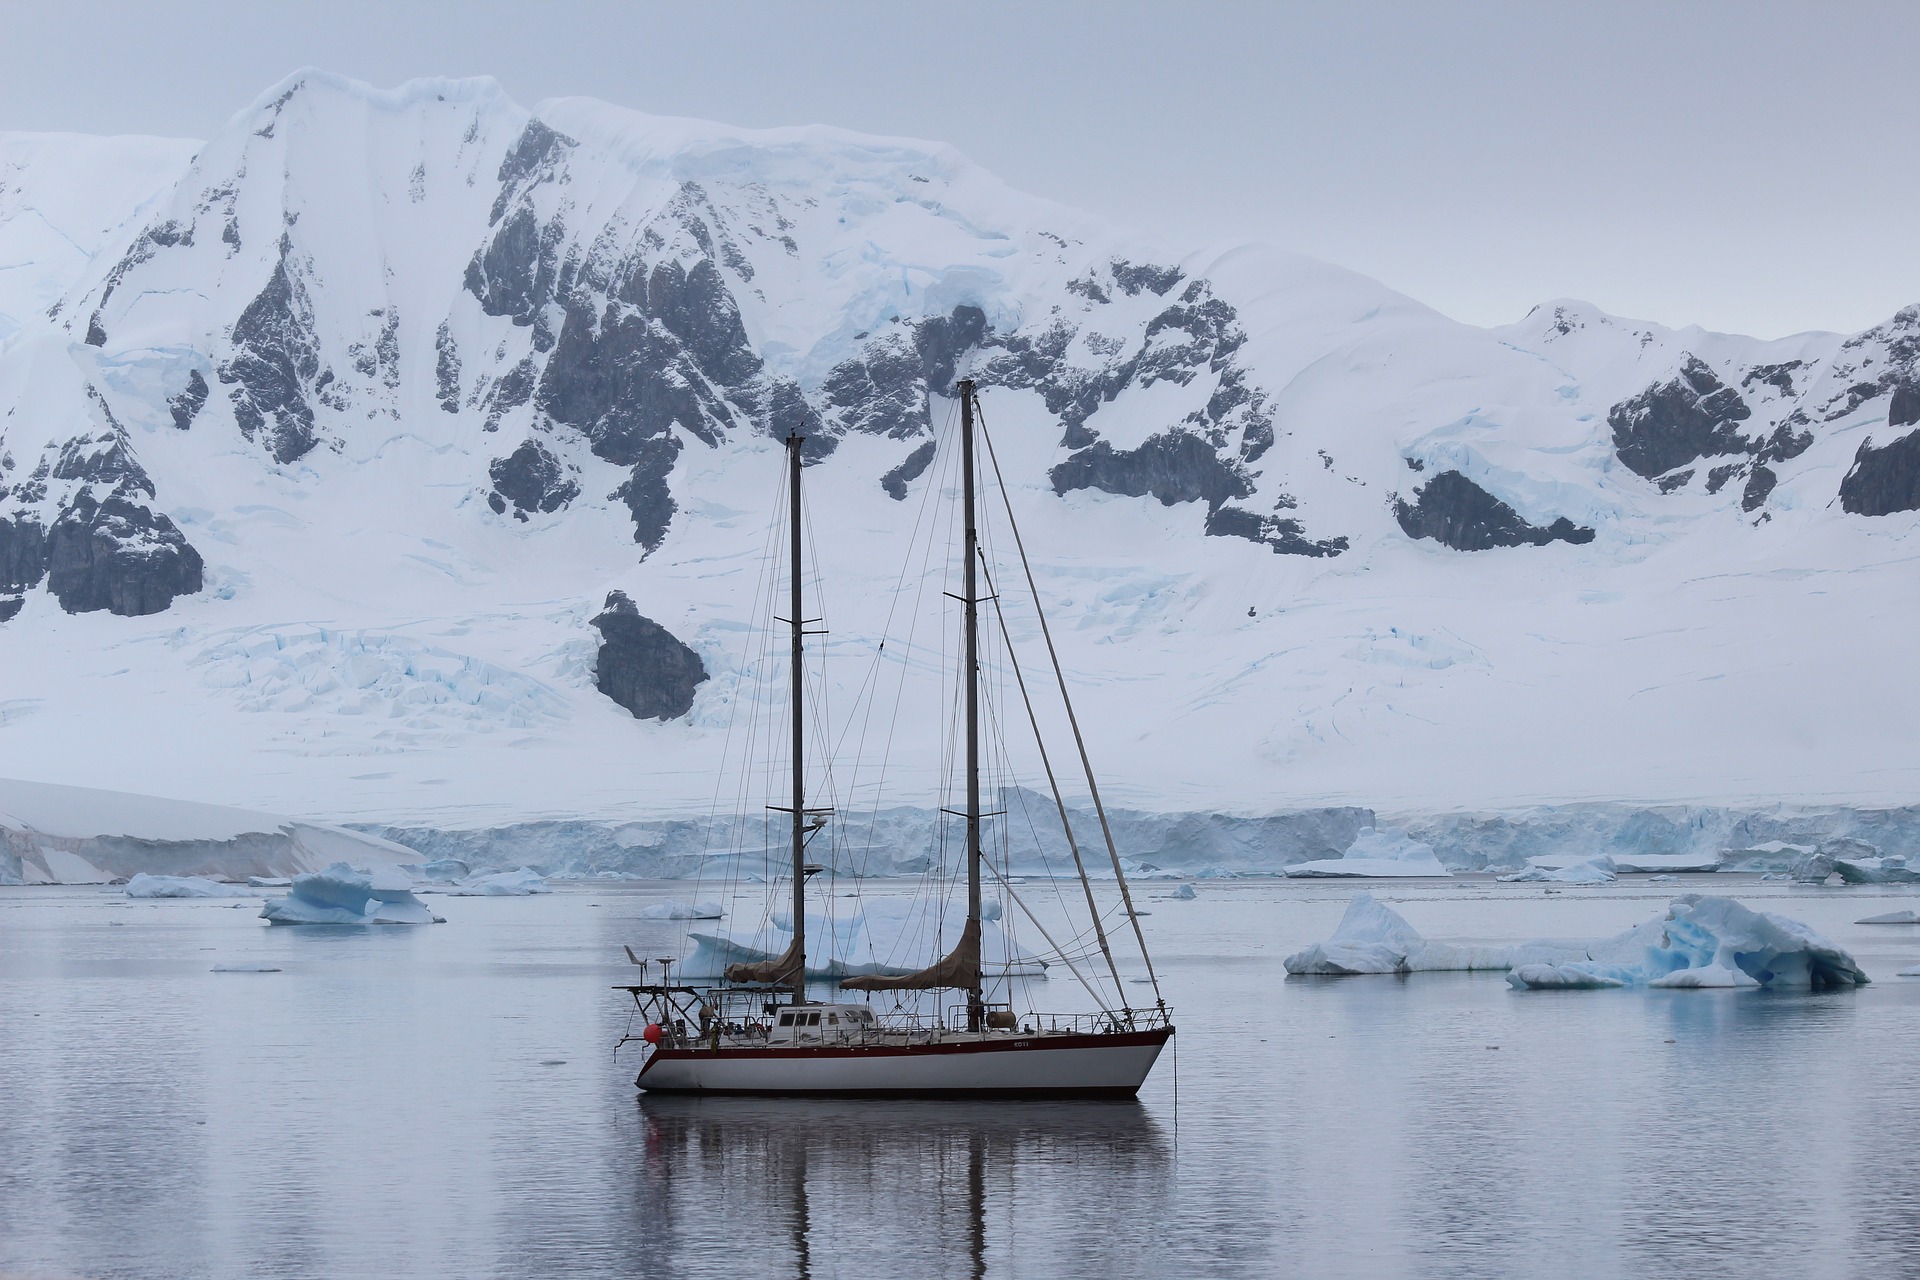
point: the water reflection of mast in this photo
(977, 1202)
(803, 1261)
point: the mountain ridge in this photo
(419, 364)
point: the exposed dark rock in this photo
(187, 405)
(1785, 443)
(1671, 424)
(1904, 409)
(1090, 290)
(10, 607)
(895, 482)
(1678, 480)
(532, 479)
(105, 459)
(1778, 376)
(1283, 533)
(1883, 480)
(1455, 511)
(1173, 467)
(23, 554)
(96, 334)
(446, 369)
(1133, 277)
(1760, 483)
(276, 365)
(646, 491)
(537, 155)
(512, 391)
(642, 666)
(1718, 477)
(513, 274)
(118, 555)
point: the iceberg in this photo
(1699, 942)
(1593, 871)
(1892, 870)
(517, 883)
(1185, 893)
(1893, 917)
(145, 886)
(1714, 942)
(346, 895)
(1376, 854)
(674, 909)
(884, 937)
(1373, 938)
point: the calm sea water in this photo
(445, 1101)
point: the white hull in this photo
(1112, 1066)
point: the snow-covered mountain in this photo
(348, 457)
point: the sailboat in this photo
(757, 1032)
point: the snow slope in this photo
(318, 477)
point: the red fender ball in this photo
(652, 1034)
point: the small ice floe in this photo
(1561, 977)
(1661, 879)
(1185, 893)
(1716, 942)
(246, 968)
(1892, 917)
(1376, 854)
(1593, 871)
(347, 895)
(517, 883)
(1706, 976)
(146, 886)
(674, 909)
(1911, 972)
(270, 882)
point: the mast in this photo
(976, 1005)
(798, 695)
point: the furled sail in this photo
(777, 972)
(960, 969)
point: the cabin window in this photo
(786, 1019)
(833, 1019)
(813, 1019)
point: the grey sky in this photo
(1747, 166)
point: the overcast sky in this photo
(1747, 166)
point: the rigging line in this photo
(1028, 912)
(1106, 829)
(729, 877)
(913, 619)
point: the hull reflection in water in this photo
(921, 1188)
